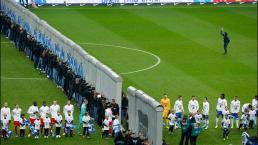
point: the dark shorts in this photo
(219, 113)
(205, 117)
(234, 115)
(178, 115)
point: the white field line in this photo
(17, 78)
(133, 49)
(4, 42)
(123, 47)
(166, 7)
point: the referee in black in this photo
(226, 40)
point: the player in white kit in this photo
(43, 111)
(179, 109)
(246, 107)
(16, 113)
(32, 111)
(205, 112)
(6, 110)
(68, 107)
(54, 109)
(221, 105)
(225, 112)
(193, 106)
(234, 109)
(5, 125)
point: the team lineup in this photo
(199, 118)
(44, 120)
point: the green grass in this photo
(187, 40)
(14, 64)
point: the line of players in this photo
(45, 118)
(48, 118)
(248, 118)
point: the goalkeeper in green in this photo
(83, 110)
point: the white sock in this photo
(237, 123)
(232, 122)
(217, 120)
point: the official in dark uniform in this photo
(226, 40)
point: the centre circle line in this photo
(158, 60)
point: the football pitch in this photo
(22, 84)
(176, 50)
